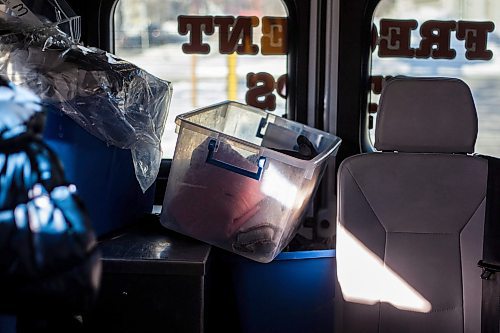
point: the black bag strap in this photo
(46, 161)
(490, 310)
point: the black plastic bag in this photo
(48, 251)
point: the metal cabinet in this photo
(152, 278)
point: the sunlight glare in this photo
(365, 279)
(276, 186)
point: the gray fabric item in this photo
(426, 115)
(422, 216)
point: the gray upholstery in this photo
(417, 218)
(413, 118)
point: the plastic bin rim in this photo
(185, 117)
(300, 255)
(182, 119)
(307, 165)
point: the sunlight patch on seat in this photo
(365, 279)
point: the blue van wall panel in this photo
(104, 175)
(294, 293)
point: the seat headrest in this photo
(426, 115)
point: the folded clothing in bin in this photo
(220, 206)
(111, 98)
(239, 197)
(241, 178)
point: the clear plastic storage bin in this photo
(241, 178)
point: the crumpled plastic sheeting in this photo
(111, 98)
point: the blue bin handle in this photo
(233, 168)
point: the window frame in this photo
(337, 99)
(98, 31)
(465, 16)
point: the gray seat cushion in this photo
(410, 221)
(426, 115)
(410, 229)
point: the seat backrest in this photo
(411, 217)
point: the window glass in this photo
(455, 38)
(211, 51)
